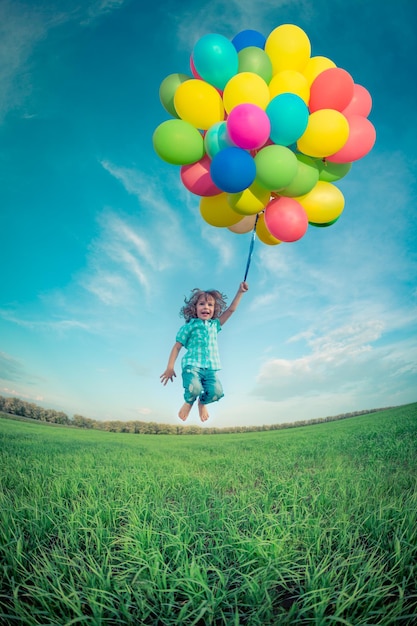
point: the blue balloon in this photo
(248, 38)
(215, 59)
(233, 170)
(288, 114)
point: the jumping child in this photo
(204, 312)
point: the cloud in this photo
(348, 359)
(56, 325)
(13, 370)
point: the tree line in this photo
(31, 411)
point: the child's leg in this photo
(185, 411)
(212, 391)
(192, 389)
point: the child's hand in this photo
(243, 287)
(169, 374)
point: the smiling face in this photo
(205, 307)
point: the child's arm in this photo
(169, 373)
(243, 287)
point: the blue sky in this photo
(100, 241)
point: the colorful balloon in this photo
(286, 219)
(245, 87)
(332, 89)
(290, 81)
(305, 178)
(167, 91)
(276, 166)
(262, 131)
(288, 47)
(215, 59)
(248, 126)
(361, 140)
(196, 178)
(217, 138)
(327, 132)
(288, 115)
(247, 38)
(178, 142)
(330, 172)
(249, 201)
(245, 225)
(216, 211)
(199, 103)
(361, 103)
(233, 169)
(315, 66)
(323, 204)
(256, 61)
(263, 233)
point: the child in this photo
(205, 313)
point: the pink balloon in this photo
(193, 70)
(362, 136)
(196, 178)
(286, 219)
(361, 103)
(248, 126)
(332, 89)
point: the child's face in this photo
(205, 307)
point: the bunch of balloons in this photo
(262, 130)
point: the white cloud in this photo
(351, 359)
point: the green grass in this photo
(313, 525)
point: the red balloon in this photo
(197, 179)
(331, 89)
(361, 103)
(362, 136)
(286, 219)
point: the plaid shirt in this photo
(199, 337)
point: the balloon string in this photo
(252, 242)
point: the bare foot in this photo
(202, 410)
(185, 411)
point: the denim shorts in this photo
(202, 383)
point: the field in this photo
(312, 525)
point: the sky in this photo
(101, 242)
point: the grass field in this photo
(312, 525)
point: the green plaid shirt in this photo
(199, 338)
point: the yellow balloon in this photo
(324, 203)
(263, 233)
(288, 47)
(327, 132)
(290, 81)
(245, 87)
(245, 225)
(249, 201)
(315, 66)
(216, 211)
(199, 103)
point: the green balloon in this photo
(167, 91)
(178, 142)
(255, 60)
(276, 167)
(305, 179)
(325, 224)
(330, 172)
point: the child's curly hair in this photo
(189, 310)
